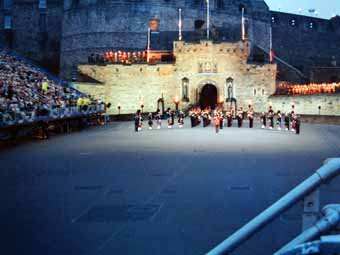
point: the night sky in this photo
(324, 8)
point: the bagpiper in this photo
(279, 120)
(240, 117)
(250, 114)
(181, 119)
(217, 119)
(229, 115)
(150, 122)
(271, 117)
(263, 120)
(168, 117)
(158, 119)
(287, 121)
(137, 120)
(221, 119)
(172, 117)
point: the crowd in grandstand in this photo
(308, 89)
(26, 94)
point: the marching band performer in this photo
(240, 117)
(279, 120)
(158, 119)
(250, 114)
(271, 117)
(287, 120)
(172, 117)
(137, 120)
(150, 122)
(221, 119)
(229, 115)
(168, 117)
(217, 120)
(263, 120)
(181, 119)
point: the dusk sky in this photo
(324, 8)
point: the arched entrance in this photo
(208, 96)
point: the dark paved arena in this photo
(110, 190)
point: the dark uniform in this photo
(263, 120)
(137, 120)
(271, 117)
(229, 115)
(221, 119)
(240, 117)
(150, 122)
(287, 121)
(181, 119)
(279, 120)
(250, 114)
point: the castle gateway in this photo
(203, 73)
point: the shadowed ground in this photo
(110, 190)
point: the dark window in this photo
(199, 23)
(220, 4)
(42, 21)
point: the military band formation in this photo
(218, 118)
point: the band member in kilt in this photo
(172, 117)
(293, 121)
(137, 120)
(240, 117)
(221, 119)
(158, 119)
(229, 115)
(250, 114)
(271, 117)
(168, 117)
(217, 119)
(287, 121)
(279, 120)
(263, 120)
(150, 122)
(181, 119)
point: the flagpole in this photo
(180, 24)
(148, 46)
(270, 44)
(208, 19)
(243, 28)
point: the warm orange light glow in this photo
(308, 89)
(221, 100)
(176, 99)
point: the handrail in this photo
(329, 170)
(284, 62)
(330, 220)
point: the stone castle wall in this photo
(308, 104)
(35, 31)
(204, 63)
(122, 25)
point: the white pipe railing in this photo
(329, 170)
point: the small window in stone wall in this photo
(254, 92)
(154, 25)
(220, 4)
(262, 92)
(42, 22)
(185, 90)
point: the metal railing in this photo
(329, 170)
(18, 118)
